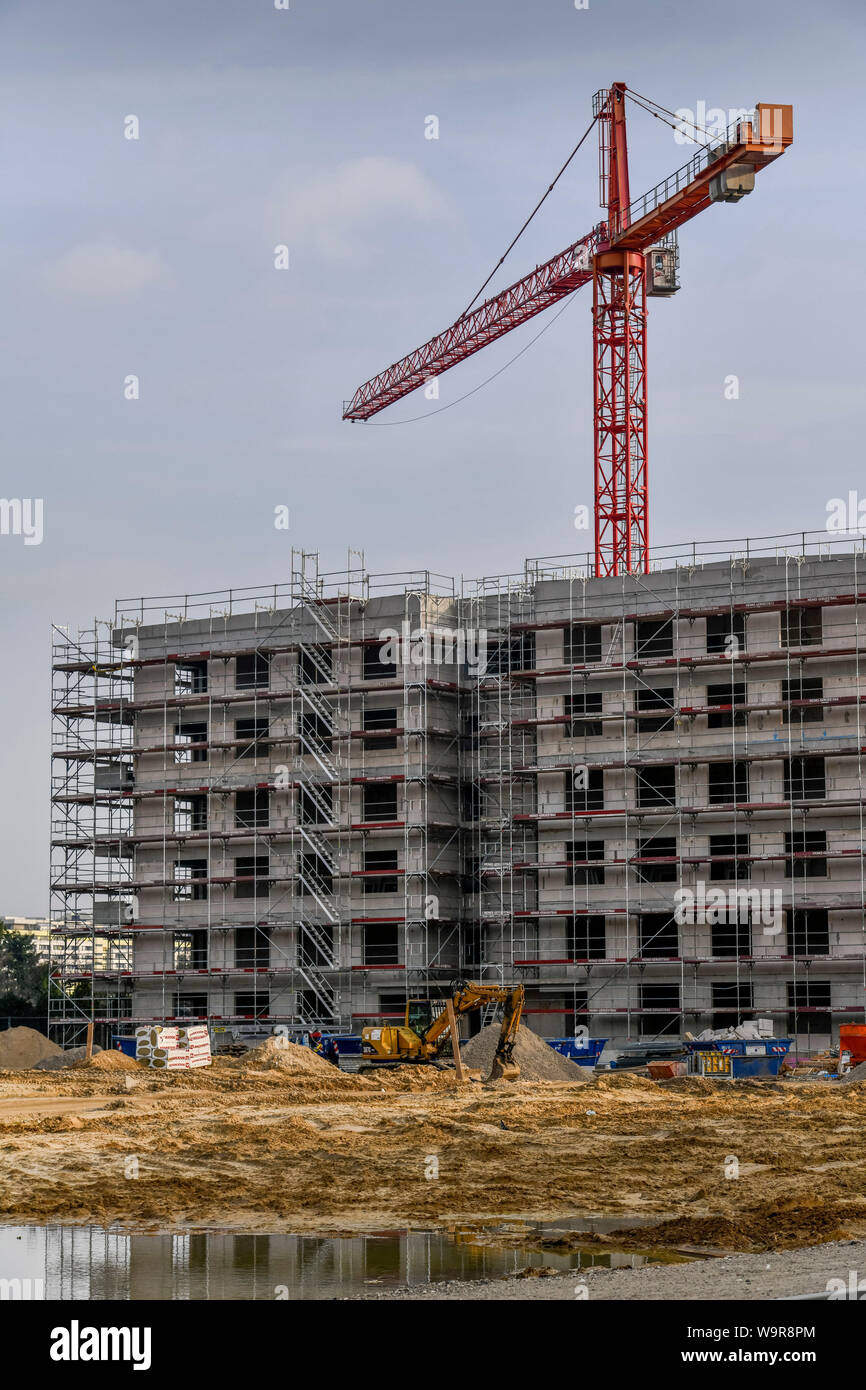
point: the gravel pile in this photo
(536, 1058)
(64, 1059)
(22, 1048)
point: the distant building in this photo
(37, 927)
(40, 928)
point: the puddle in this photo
(88, 1262)
(547, 1236)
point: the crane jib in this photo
(546, 285)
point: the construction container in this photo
(748, 1056)
(666, 1071)
(852, 1039)
(585, 1052)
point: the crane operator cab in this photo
(662, 270)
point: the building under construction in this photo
(642, 796)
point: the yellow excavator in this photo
(426, 1029)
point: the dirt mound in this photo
(768, 1227)
(113, 1061)
(414, 1078)
(857, 1073)
(287, 1065)
(268, 1149)
(22, 1048)
(278, 1054)
(624, 1081)
(536, 1059)
(690, 1085)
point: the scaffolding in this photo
(634, 747)
(263, 818)
(254, 814)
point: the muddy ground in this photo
(793, 1274)
(746, 1167)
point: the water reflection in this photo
(81, 1263)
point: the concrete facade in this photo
(301, 835)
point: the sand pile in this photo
(536, 1059)
(281, 1055)
(773, 1225)
(295, 1066)
(22, 1048)
(690, 1085)
(857, 1073)
(113, 1061)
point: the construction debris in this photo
(753, 1030)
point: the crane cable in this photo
(679, 120)
(413, 419)
(428, 415)
(529, 219)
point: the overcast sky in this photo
(306, 127)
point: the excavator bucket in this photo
(504, 1069)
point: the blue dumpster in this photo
(749, 1056)
(585, 1052)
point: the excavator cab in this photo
(420, 1013)
(393, 1044)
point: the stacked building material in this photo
(195, 1042)
(175, 1049)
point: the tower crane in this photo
(628, 256)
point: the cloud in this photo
(103, 271)
(341, 212)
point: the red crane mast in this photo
(614, 257)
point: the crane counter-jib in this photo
(678, 199)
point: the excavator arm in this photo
(410, 1042)
(504, 1064)
(469, 996)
